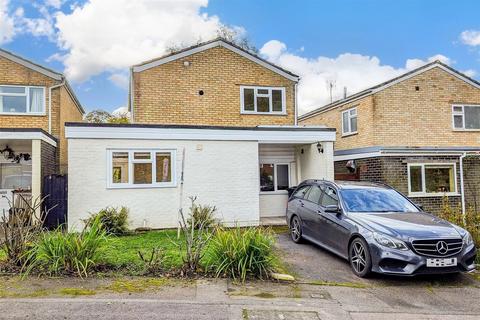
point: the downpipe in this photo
(50, 104)
(462, 187)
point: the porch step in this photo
(273, 221)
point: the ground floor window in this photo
(16, 176)
(274, 177)
(431, 179)
(141, 168)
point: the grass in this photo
(77, 292)
(121, 252)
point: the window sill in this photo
(466, 130)
(264, 113)
(142, 186)
(344, 135)
(437, 194)
(274, 192)
(23, 114)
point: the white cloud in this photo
(471, 37)
(119, 79)
(7, 24)
(415, 63)
(54, 3)
(353, 71)
(110, 35)
(470, 73)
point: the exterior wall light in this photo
(319, 147)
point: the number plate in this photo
(442, 262)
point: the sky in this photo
(346, 43)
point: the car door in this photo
(311, 215)
(297, 203)
(336, 228)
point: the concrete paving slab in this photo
(410, 316)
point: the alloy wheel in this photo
(358, 257)
(295, 230)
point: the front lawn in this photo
(121, 252)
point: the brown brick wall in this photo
(49, 159)
(63, 106)
(15, 74)
(169, 93)
(471, 180)
(402, 116)
(365, 123)
(393, 171)
(68, 113)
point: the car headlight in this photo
(389, 242)
(467, 239)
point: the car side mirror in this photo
(420, 206)
(333, 208)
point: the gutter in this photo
(296, 104)
(461, 185)
(50, 104)
(130, 96)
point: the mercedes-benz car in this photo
(377, 229)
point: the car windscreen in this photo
(375, 200)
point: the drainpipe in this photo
(50, 104)
(296, 104)
(461, 185)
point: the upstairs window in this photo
(262, 100)
(466, 117)
(22, 100)
(349, 121)
(141, 168)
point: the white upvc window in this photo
(432, 179)
(141, 168)
(274, 177)
(349, 121)
(20, 100)
(263, 100)
(466, 117)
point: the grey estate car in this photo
(377, 229)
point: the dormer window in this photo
(262, 100)
(22, 100)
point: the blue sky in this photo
(355, 44)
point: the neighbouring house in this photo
(419, 133)
(35, 102)
(212, 121)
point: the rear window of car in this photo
(314, 194)
(300, 192)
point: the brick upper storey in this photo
(202, 86)
(413, 110)
(18, 72)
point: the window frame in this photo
(269, 95)
(462, 113)
(132, 161)
(27, 97)
(423, 193)
(275, 175)
(349, 117)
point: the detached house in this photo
(419, 132)
(35, 102)
(212, 121)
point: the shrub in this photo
(470, 221)
(239, 253)
(153, 261)
(114, 221)
(60, 252)
(21, 225)
(195, 239)
(201, 215)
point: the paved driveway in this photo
(309, 262)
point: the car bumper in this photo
(391, 261)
